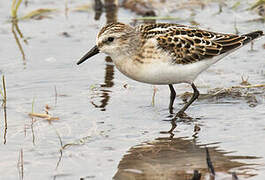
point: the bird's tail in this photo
(251, 36)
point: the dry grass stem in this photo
(32, 131)
(83, 8)
(43, 116)
(32, 122)
(250, 86)
(38, 13)
(4, 106)
(20, 165)
(153, 97)
(4, 89)
(14, 28)
(61, 149)
(14, 7)
(78, 142)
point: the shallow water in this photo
(107, 124)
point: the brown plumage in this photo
(188, 45)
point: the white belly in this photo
(162, 72)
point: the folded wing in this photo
(187, 45)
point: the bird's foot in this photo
(182, 115)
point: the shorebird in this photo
(165, 54)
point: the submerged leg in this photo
(172, 98)
(195, 95)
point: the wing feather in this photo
(188, 45)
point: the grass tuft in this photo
(14, 8)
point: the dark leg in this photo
(209, 163)
(196, 175)
(196, 94)
(172, 98)
(173, 127)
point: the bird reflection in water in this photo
(111, 9)
(181, 158)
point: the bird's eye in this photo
(110, 39)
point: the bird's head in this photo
(114, 39)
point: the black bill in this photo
(90, 53)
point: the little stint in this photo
(165, 54)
